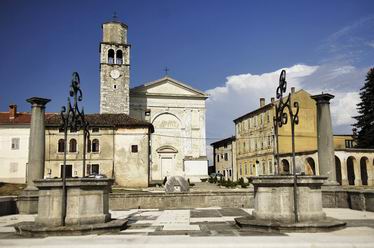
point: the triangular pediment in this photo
(167, 86)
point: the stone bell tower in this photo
(114, 69)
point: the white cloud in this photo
(371, 44)
(240, 94)
(344, 108)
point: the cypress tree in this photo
(365, 109)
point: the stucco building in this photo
(224, 157)
(117, 148)
(14, 145)
(256, 145)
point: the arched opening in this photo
(111, 56)
(95, 145)
(285, 166)
(119, 59)
(363, 167)
(338, 168)
(72, 145)
(61, 145)
(310, 167)
(350, 170)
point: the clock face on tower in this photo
(115, 74)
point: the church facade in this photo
(175, 109)
(177, 113)
(141, 135)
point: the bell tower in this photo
(114, 69)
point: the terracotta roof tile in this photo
(113, 120)
(21, 118)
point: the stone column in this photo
(326, 154)
(343, 165)
(28, 200)
(357, 171)
(35, 169)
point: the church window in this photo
(134, 148)
(119, 59)
(111, 56)
(226, 156)
(217, 158)
(72, 145)
(115, 86)
(61, 145)
(95, 145)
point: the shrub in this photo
(211, 180)
(203, 180)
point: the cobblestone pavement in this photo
(200, 223)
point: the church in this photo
(142, 134)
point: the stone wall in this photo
(358, 200)
(241, 199)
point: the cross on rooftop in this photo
(166, 71)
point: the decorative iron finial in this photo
(73, 119)
(115, 16)
(283, 109)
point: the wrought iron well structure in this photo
(73, 120)
(283, 106)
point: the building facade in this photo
(256, 144)
(177, 112)
(118, 148)
(224, 158)
(14, 145)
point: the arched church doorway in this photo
(338, 168)
(350, 170)
(310, 167)
(166, 155)
(364, 161)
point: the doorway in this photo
(166, 166)
(68, 171)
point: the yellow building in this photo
(256, 144)
(342, 141)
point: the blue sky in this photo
(222, 47)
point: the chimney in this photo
(262, 102)
(12, 111)
(272, 99)
(292, 90)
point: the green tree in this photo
(365, 119)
